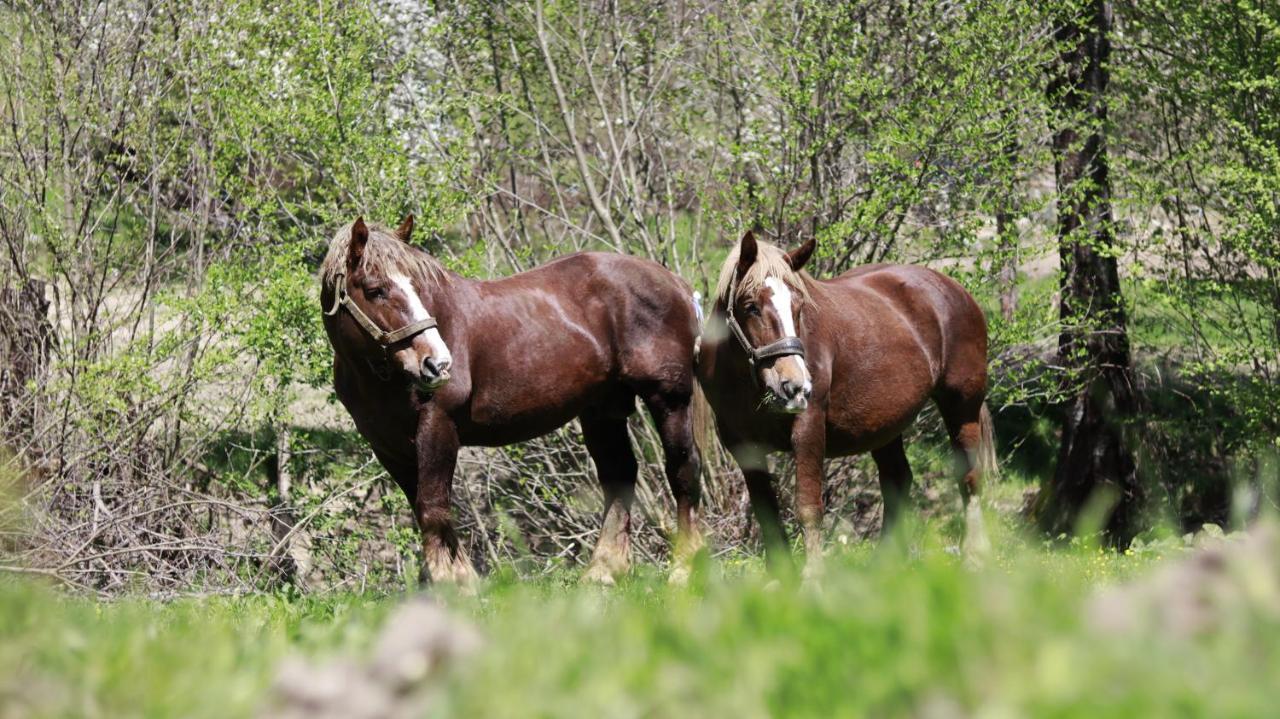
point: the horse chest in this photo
(741, 420)
(387, 421)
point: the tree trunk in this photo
(1095, 484)
(291, 556)
(1007, 254)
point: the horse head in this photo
(763, 292)
(380, 280)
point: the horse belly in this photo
(520, 405)
(843, 439)
(512, 429)
(877, 401)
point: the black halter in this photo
(785, 347)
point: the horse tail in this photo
(703, 434)
(701, 409)
(988, 462)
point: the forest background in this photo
(1103, 176)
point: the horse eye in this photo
(751, 309)
(375, 293)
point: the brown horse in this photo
(842, 366)
(427, 361)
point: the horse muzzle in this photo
(790, 397)
(433, 375)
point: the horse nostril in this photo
(790, 389)
(429, 368)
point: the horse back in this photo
(629, 299)
(917, 293)
(579, 332)
(893, 337)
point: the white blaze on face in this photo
(439, 350)
(781, 301)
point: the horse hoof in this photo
(811, 584)
(457, 574)
(811, 575)
(977, 547)
(679, 576)
(599, 575)
(976, 554)
(469, 585)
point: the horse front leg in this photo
(443, 558)
(764, 503)
(809, 444)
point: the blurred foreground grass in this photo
(900, 630)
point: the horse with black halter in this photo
(427, 361)
(825, 368)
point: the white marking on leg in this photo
(439, 350)
(781, 300)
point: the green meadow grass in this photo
(897, 630)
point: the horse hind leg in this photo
(969, 426)
(895, 482)
(754, 463)
(610, 449)
(673, 416)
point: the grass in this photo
(62, 656)
(902, 629)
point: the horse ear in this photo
(800, 255)
(355, 248)
(405, 230)
(747, 253)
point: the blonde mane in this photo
(387, 252)
(771, 261)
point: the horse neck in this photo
(453, 303)
(730, 355)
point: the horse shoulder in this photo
(885, 320)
